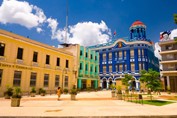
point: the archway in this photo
(110, 82)
(104, 84)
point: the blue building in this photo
(126, 56)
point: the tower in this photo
(137, 31)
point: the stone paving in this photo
(88, 104)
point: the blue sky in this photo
(90, 21)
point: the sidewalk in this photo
(87, 104)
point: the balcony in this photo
(35, 64)
(169, 57)
(19, 61)
(47, 66)
(86, 73)
(58, 68)
(81, 73)
(169, 47)
(2, 58)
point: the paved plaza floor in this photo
(88, 104)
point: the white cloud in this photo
(39, 30)
(22, 13)
(31, 16)
(85, 33)
(173, 34)
(157, 50)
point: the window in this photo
(125, 67)
(139, 52)
(20, 53)
(80, 52)
(142, 52)
(35, 55)
(95, 58)
(33, 79)
(86, 54)
(57, 80)
(132, 53)
(110, 56)
(104, 57)
(95, 69)
(1, 76)
(2, 48)
(132, 67)
(58, 61)
(47, 59)
(120, 54)
(67, 63)
(120, 68)
(86, 67)
(140, 67)
(80, 66)
(91, 56)
(66, 81)
(17, 78)
(46, 80)
(110, 68)
(104, 69)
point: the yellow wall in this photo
(9, 63)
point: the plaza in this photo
(87, 104)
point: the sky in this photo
(90, 22)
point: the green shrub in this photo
(9, 91)
(73, 91)
(33, 90)
(17, 93)
(65, 91)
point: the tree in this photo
(175, 18)
(126, 81)
(151, 79)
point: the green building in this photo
(86, 66)
(88, 73)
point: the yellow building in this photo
(27, 63)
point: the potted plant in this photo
(16, 97)
(65, 91)
(8, 93)
(113, 90)
(73, 93)
(119, 93)
(33, 92)
(168, 90)
(42, 92)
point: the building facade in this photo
(169, 62)
(26, 63)
(88, 69)
(126, 56)
(87, 65)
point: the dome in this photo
(138, 23)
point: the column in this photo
(168, 82)
(107, 84)
(101, 83)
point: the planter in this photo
(119, 96)
(113, 94)
(42, 94)
(33, 94)
(15, 102)
(73, 97)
